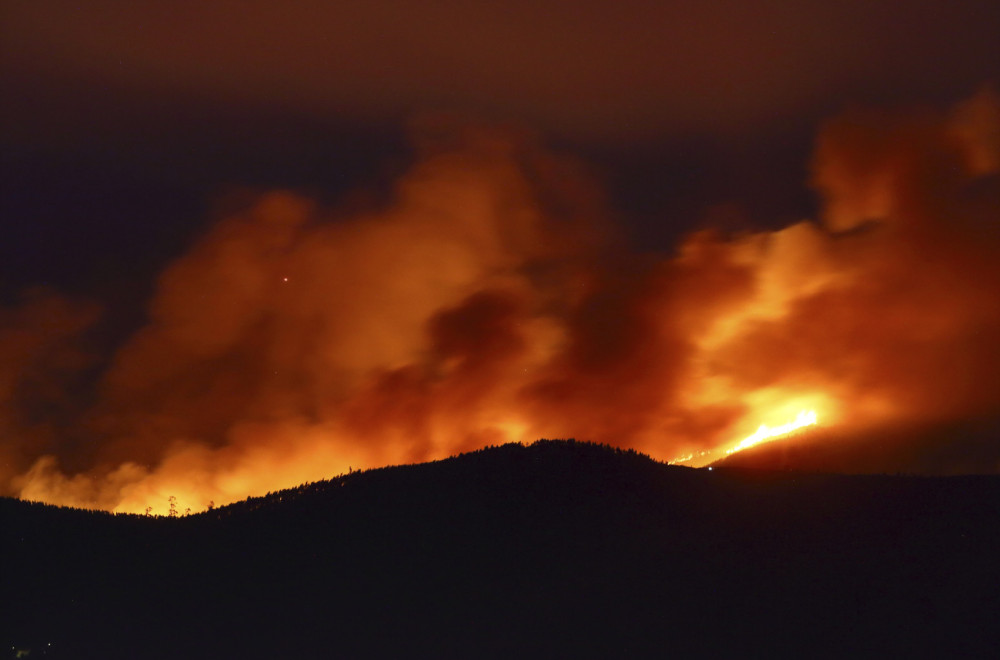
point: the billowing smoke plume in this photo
(490, 301)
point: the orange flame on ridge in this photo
(767, 433)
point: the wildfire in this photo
(490, 302)
(765, 432)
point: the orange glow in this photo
(767, 433)
(491, 302)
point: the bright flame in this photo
(765, 432)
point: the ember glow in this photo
(491, 300)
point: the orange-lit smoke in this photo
(40, 357)
(490, 302)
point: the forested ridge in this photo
(560, 549)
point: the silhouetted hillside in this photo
(561, 549)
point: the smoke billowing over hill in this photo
(490, 298)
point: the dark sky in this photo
(490, 230)
(123, 123)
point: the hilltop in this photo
(560, 549)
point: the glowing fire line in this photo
(804, 418)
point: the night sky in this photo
(136, 138)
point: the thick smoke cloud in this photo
(490, 301)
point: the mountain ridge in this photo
(559, 548)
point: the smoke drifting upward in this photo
(39, 357)
(491, 301)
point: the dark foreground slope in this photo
(560, 549)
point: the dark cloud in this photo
(42, 357)
(121, 125)
(628, 70)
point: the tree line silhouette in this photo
(559, 549)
